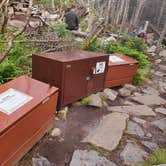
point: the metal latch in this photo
(87, 78)
(68, 66)
(131, 64)
(45, 100)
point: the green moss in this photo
(97, 149)
(85, 101)
(157, 158)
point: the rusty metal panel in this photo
(72, 71)
(121, 70)
(20, 130)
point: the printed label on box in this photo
(115, 59)
(100, 67)
(12, 99)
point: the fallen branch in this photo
(2, 3)
(32, 41)
(12, 36)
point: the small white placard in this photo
(100, 67)
(12, 99)
(114, 58)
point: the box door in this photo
(75, 81)
(98, 67)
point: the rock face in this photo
(150, 91)
(95, 100)
(127, 90)
(134, 129)
(152, 146)
(161, 110)
(149, 100)
(56, 132)
(161, 124)
(162, 53)
(124, 92)
(137, 110)
(89, 158)
(133, 154)
(162, 67)
(109, 132)
(151, 49)
(138, 120)
(162, 86)
(41, 161)
(110, 94)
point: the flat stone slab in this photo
(110, 94)
(149, 100)
(109, 131)
(134, 129)
(137, 110)
(89, 158)
(151, 145)
(161, 110)
(138, 120)
(95, 100)
(133, 154)
(40, 161)
(161, 124)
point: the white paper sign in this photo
(114, 58)
(100, 67)
(12, 99)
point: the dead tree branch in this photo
(12, 36)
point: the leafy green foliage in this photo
(85, 101)
(133, 43)
(133, 47)
(157, 158)
(41, 1)
(91, 45)
(18, 61)
(8, 71)
(60, 29)
(64, 4)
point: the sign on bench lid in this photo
(114, 58)
(12, 99)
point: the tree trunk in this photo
(120, 11)
(53, 4)
(91, 15)
(5, 17)
(161, 12)
(108, 11)
(125, 14)
(162, 36)
(138, 12)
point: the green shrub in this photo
(85, 101)
(143, 71)
(91, 45)
(133, 47)
(8, 71)
(157, 158)
(17, 61)
(133, 43)
(60, 29)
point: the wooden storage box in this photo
(76, 73)
(27, 109)
(121, 70)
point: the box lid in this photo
(22, 95)
(71, 55)
(120, 59)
